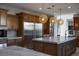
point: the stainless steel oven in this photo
(3, 33)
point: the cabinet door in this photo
(11, 42)
(50, 48)
(9, 24)
(3, 17)
(36, 19)
(2, 41)
(19, 42)
(15, 22)
(29, 18)
(12, 22)
(76, 23)
(38, 46)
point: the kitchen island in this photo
(61, 46)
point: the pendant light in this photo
(53, 19)
(60, 21)
(43, 18)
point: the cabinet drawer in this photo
(3, 41)
(11, 42)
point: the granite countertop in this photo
(14, 37)
(51, 39)
(10, 37)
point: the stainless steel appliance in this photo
(3, 31)
(33, 29)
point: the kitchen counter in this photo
(61, 46)
(51, 39)
(10, 41)
(10, 37)
(14, 37)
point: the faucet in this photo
(66, 33)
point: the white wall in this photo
(64, 27)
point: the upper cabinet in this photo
(76, 23)
(46, 28)
(3, 17)
(12, 22)
(31, 18)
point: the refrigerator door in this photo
(28, 28)
(38, 30)
(33, 29)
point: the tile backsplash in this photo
(11, 33)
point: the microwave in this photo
(3, 33)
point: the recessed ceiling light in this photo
(69, 7)
(40, 8)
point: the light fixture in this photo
(53, 19)
(40, 8)
(60, 21)
(43, 18)
(69, 7)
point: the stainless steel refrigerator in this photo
(33, 29)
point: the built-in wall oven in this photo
(3, 31)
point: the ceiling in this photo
(35, 7)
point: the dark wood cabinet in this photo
(38, 46)
(76, 23)
(47, 48)
(46, 28)
(2, 41)
(12, 22)
(77, 41)
(11, 42)
(28, 17)
(19, 42)
(63, 49)
(76, 29)
(50, 49)
(27, 41)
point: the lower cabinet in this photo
(77, 41)
(2, 41)
(50, 49)
(11, 42)
(47, 48)
(38, 46)
(19, 42)
(27, 41)
(62, 49)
